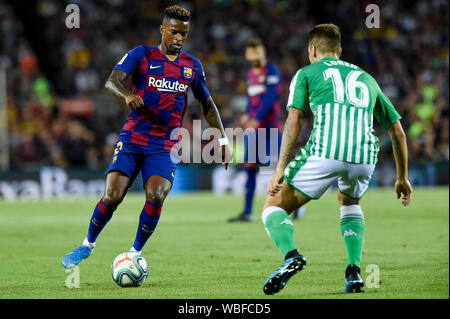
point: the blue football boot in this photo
(73, 258)
(353, 280)
(280, 277)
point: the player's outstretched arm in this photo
(402, 185)
(212, 117)
(291, 130)
(115, 85)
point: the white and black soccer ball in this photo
(129, 269)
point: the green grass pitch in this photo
(195, 253)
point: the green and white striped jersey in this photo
(343, 98)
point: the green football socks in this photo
(280, 228)
(352, 230)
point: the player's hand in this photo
(403, 187)
(227, 155)
(134, 101)
(276, 182)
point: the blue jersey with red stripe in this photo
(163, 86)
(263, 95)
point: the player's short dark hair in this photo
(326, 38)
(254, 43)
(177, 13)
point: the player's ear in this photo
(340, 52)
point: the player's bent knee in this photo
(277, 201)
(113, 197)
(350, 202)
(157, 195)
(156, 198)
(288, 199)
(346, 200)
(272, 201)
(156, 189)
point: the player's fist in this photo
(403, 187)
(134, 101)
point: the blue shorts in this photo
(261, 148)
(130, 158)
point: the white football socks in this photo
(91, 246)
(132, 249)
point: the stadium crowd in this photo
(408, 55)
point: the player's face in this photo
(256, 56)
(173, 34)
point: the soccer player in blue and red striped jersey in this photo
(263, 107)
(161, 77)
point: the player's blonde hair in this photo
(326, 38)
(177, 13)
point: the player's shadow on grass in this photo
(343, 293)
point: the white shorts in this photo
(312, 176)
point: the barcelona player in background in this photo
(263, 107)
(161, 77)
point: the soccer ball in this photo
(129, 269)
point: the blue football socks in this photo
(147, 223)
(250, 189)
(102, 214)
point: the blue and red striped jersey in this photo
(163, 86)
(263, 95)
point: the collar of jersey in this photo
(166, 58)
(329, 58)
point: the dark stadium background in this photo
(58, 125)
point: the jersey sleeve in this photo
(131, 60)
(298, 91)
(198, 85)
(384, 111)
(271, 95)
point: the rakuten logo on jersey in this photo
(167, 86)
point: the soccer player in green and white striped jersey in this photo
(342, 147)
